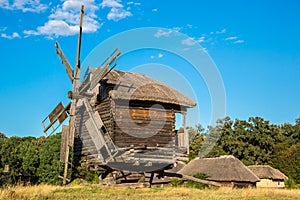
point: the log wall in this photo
(140, 125)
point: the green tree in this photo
(28, 152)
(217, 137)
(196, 139)
(50, 167)
(251, 141)
(9, 156)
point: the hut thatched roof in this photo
(134, 86)
(267, 172)
(224, 168)
(179, 165)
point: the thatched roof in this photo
(134, 86)
(224, 168)
(178, 166)
(267, 172)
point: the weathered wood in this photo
(191, 178)
(63, 144)
(211, 183)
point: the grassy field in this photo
(102, 192)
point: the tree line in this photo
(253, 141)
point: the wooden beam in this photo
(211, 183)
(73, 101)
(186, 134)
(191, 178)
(66, 63)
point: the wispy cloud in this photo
(203, 50)
(231, 38)
(218, 32)
(166, 33)
(189, 41)
(117, 11)
(221, 31)
(111, 4)
(238, 41)
(117, 14)
(14, 35)
(192, 41)
(234, 40)
(154, 10)
(201, 39)
(158, 56)
(162, 33)
(64, 20)
(3, 29)
(189, 25)
(24, 5)
(133, 3)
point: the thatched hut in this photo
(138, 112)
(226, 170)
(269, 176)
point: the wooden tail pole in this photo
(77, 70)
(73, 102)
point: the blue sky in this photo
(255, 46)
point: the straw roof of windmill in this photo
(224, 168)
(267, 172)
(134, 86)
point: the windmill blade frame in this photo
(69, 70)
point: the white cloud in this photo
(154, 10)
(189, 41)
(64, 20)
(160, 55)
(133, 3)
(161, 33)
(235, 40)
(201, 39)
(24, 5)
(4, 4)
(203, 50)
(117, 14)
(189, 25)
(231, 38)
(117, 11)
(238, 41)
(111, 4)
(221, 31)
(14, 35)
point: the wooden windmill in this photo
(81, 105)
(109, 133)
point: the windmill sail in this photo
(99, 73)
(64, 60)
(55, 118)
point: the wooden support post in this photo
(186, 134)
(73, 101)
(151, 178)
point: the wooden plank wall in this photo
(137, 123)
(105, 109)
(135, 120)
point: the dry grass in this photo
(101, 192)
